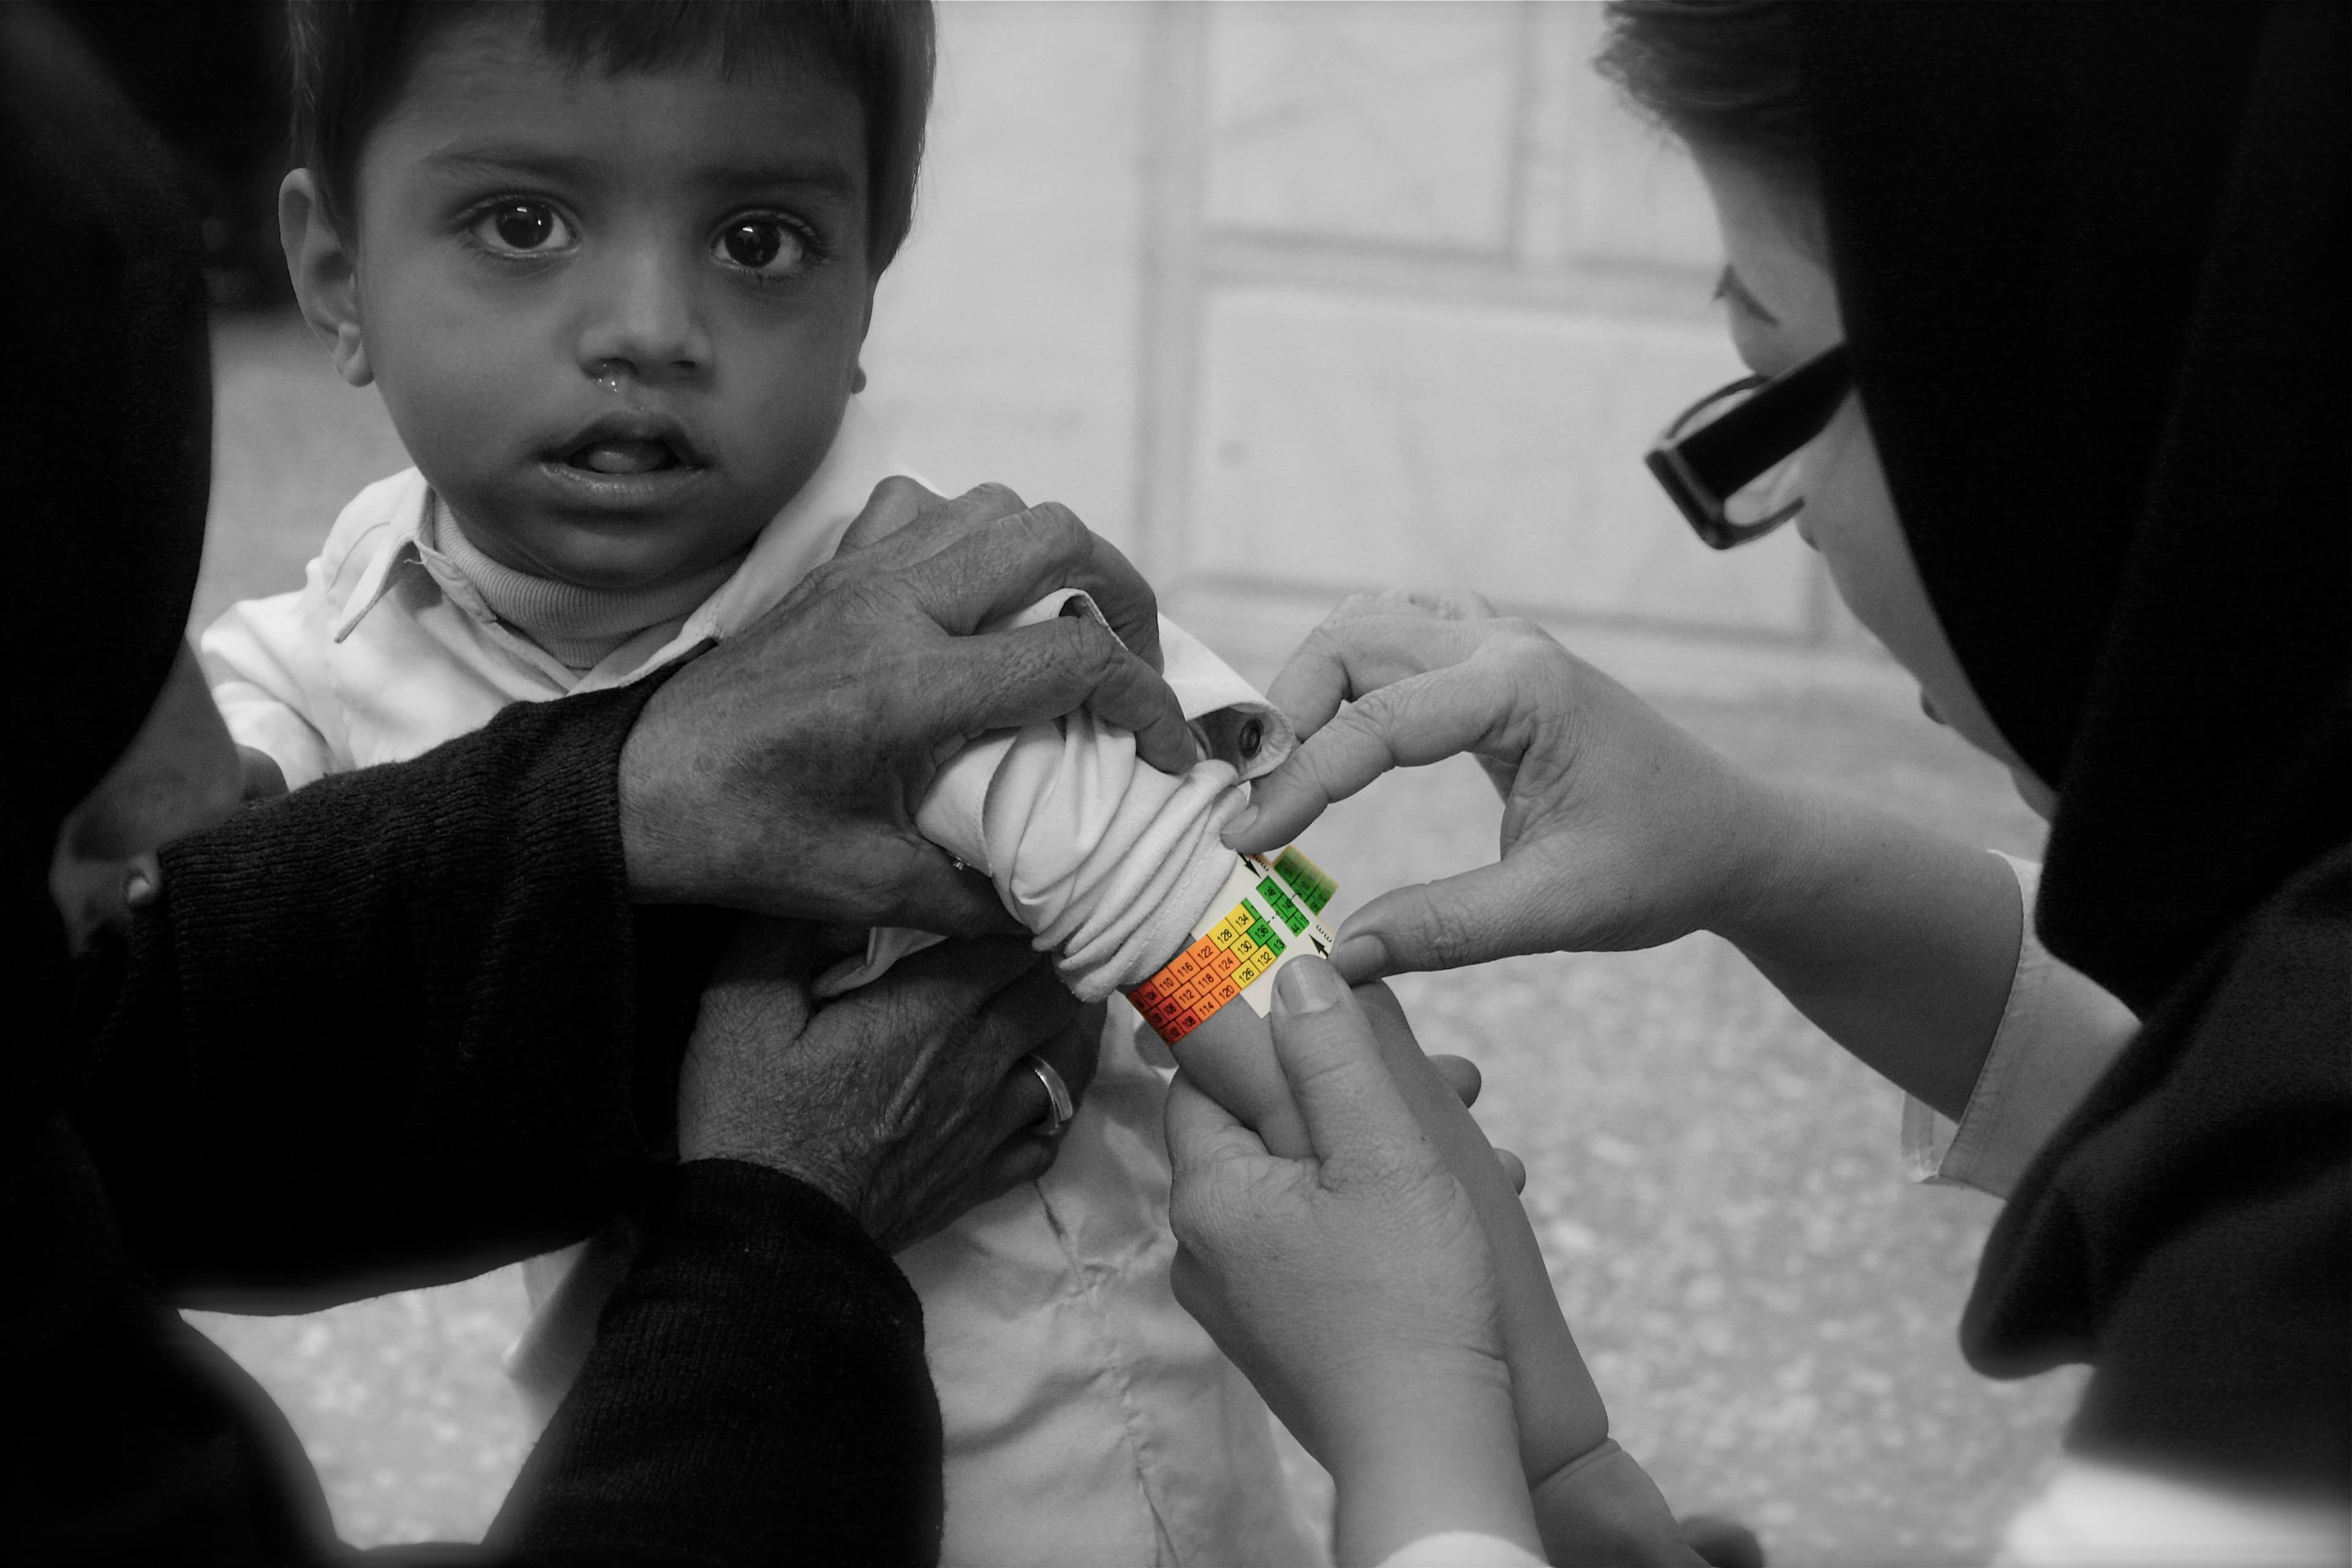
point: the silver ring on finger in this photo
(1059, 1107)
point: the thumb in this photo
(1352, 1108)
(1494, 911)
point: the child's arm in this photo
(1230, 1056)
(1593, 1503)
(1562, 1418)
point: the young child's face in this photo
(615, 317)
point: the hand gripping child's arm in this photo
(1105, 859)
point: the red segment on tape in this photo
(1199, 980)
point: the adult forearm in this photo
(386, 1026)
(757, 1394)
(1900, 942)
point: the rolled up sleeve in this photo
(2057, 1035)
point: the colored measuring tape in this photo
(1267, 913)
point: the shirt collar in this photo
(403, 549)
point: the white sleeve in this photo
(261, 662)
(2094, 1515)
(1108, 861)
(2057, 1035)
(1460, 1549)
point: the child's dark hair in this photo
(1720, 74)
(352, 56)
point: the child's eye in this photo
(522, 228)
(761, 243)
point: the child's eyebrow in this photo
(828, 175)
(472, 161)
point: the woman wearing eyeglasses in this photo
(2049, 344)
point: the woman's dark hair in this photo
(1720, 74)
(352, 58)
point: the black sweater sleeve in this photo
(385, 1032)
(757, 1393)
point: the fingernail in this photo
(1360, 958)
(1308, 985)
(1237, 830)
(138, 889)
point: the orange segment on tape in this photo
(1275, 903)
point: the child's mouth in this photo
(624, 456)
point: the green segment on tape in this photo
(1312, 884)
(1279, 901)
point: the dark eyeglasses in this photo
(1733, 462)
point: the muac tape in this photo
(1267, 913)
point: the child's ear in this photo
(325, 273)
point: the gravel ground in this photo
(1768, 1306)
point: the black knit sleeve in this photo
(385, 1031)
(757, 1394)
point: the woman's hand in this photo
(1354, 1287)
(1619, 829)
(906, 1101)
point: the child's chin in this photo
(622, 565)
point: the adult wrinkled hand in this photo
(781, 770)
(906, 1101)
(1619, 830)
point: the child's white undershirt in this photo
(579, 625)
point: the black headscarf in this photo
(2091, 260)
(107, 410)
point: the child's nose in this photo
(644, 320)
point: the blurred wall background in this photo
(1291, 298)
